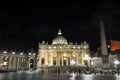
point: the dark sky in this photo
(23, 25)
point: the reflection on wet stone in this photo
(27, 75)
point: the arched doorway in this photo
(54, 60)
(31, 63)
(43, 62)
(64, 61)
(85, 62)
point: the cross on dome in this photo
(59, 32)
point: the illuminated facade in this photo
(59, 53)
(12, 60)
(62, 53)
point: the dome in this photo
(59, 39)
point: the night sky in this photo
(23, 25)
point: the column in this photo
(67, 59)
(80, 56)
(76, 58)
(46, 59)
(35, 60)
(18, 62)
(58, 59)
(0, 62)
(70, 57)
(39, 62)
(14, 63)
(62, 59)
(15, 60)
(52, 59)
(28, 62)
(21, 60)
(10, 63)
(11, 67)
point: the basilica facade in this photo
(63, 53)
(59, 53)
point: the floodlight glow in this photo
(116, 62)
(13, 52)
(5, 52)
(87, 57)
(73, 62)
(21, 53)
(33, 53)
(29, 53)
(5, 63)
(64, 55)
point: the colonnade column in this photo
(0, 62)
(13, 63)
(22, 62)
(19, 62)
(16, 63)
(9, 63)
(29, 63)
(26, 62)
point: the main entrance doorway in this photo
(31, 63)
(43, 62)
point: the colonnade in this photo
(14, 62)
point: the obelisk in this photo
(104, 51)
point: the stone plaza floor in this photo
(36, 75)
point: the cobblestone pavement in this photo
(38, 76)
